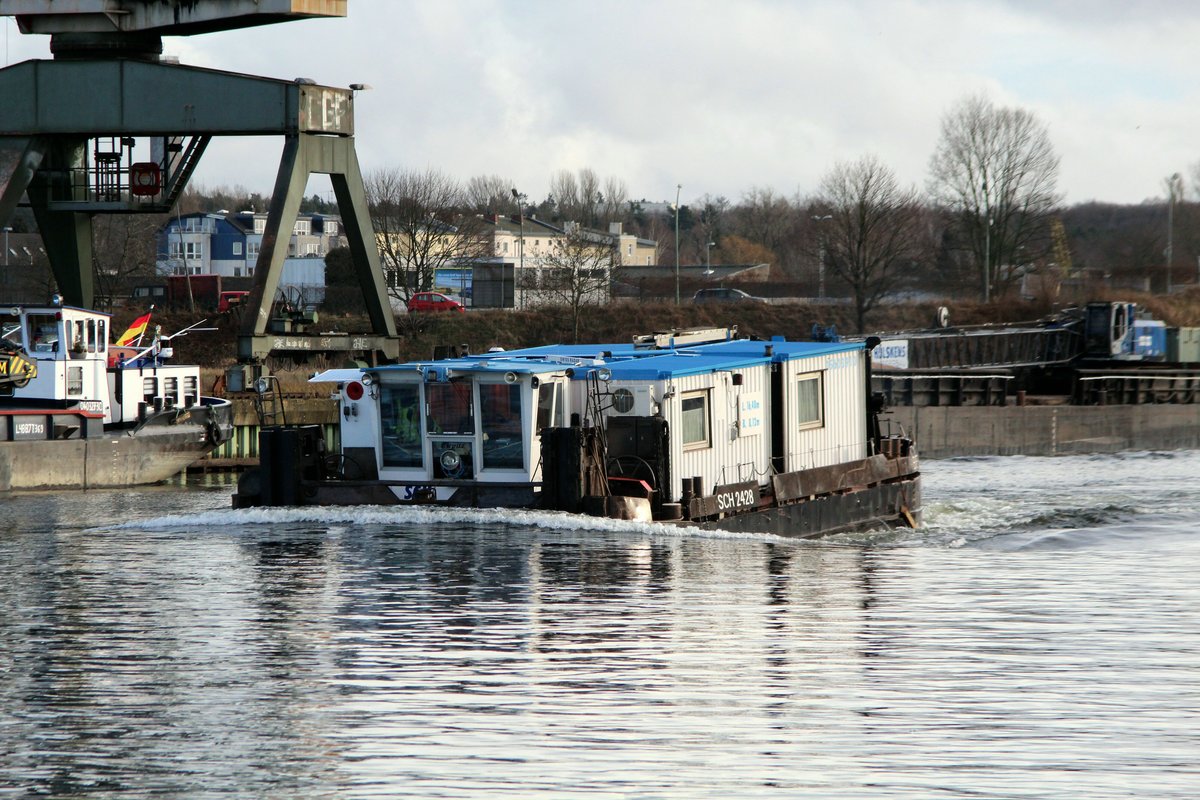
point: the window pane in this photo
(400, 410)
(808, 395)
(694, 423)
(449, 408)
(500, 417)
(549, 401)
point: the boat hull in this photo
(876, 492)
(159, 449)
(888, 505)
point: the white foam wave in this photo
(417, 516)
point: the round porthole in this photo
(622, 400)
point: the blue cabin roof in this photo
(627, 362)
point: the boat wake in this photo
(422, 517)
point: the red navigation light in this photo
(354, 390)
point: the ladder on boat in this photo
(268, 402)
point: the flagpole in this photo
(147, 325)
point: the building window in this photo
(312, 249)
(237, 272)
(187, 250)
(694, 420)
(629, 249)
(302, 228)
(237, 248)
(252, 250)
(810, 409)
(648, 264)
(260, 225)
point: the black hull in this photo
(879, 491)
(890, 505)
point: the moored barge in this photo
(77, 412)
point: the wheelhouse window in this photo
(448, 408)
(400, 424)
(550, 406)
(695, 424)
(500, 420)
(42, 333)
(810, 408)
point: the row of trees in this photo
(989, 215)
(988, 210)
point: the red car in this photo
(433, 301)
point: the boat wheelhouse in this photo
(692, 425)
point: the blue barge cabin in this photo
(695, 427)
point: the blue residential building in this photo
(227, 244)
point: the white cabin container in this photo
(735, 411)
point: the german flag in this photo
(135, 331)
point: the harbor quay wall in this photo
(950, 431)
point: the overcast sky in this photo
(722, 97)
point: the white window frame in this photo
(808, 421)
(705, 395)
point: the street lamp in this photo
(1172, 185)
(987, 245)
(821, 254)
(517, 196)
(678, 188)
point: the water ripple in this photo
(1037, 640)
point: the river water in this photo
(1039, 638)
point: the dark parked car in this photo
(723, 295)
(433, 301)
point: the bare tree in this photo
(420, 227)
(582, 197)
(564, 188)
(997, 171)
(773, 221)
(123, 250)
(489, 194)
(579, 271)
(875, 232)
